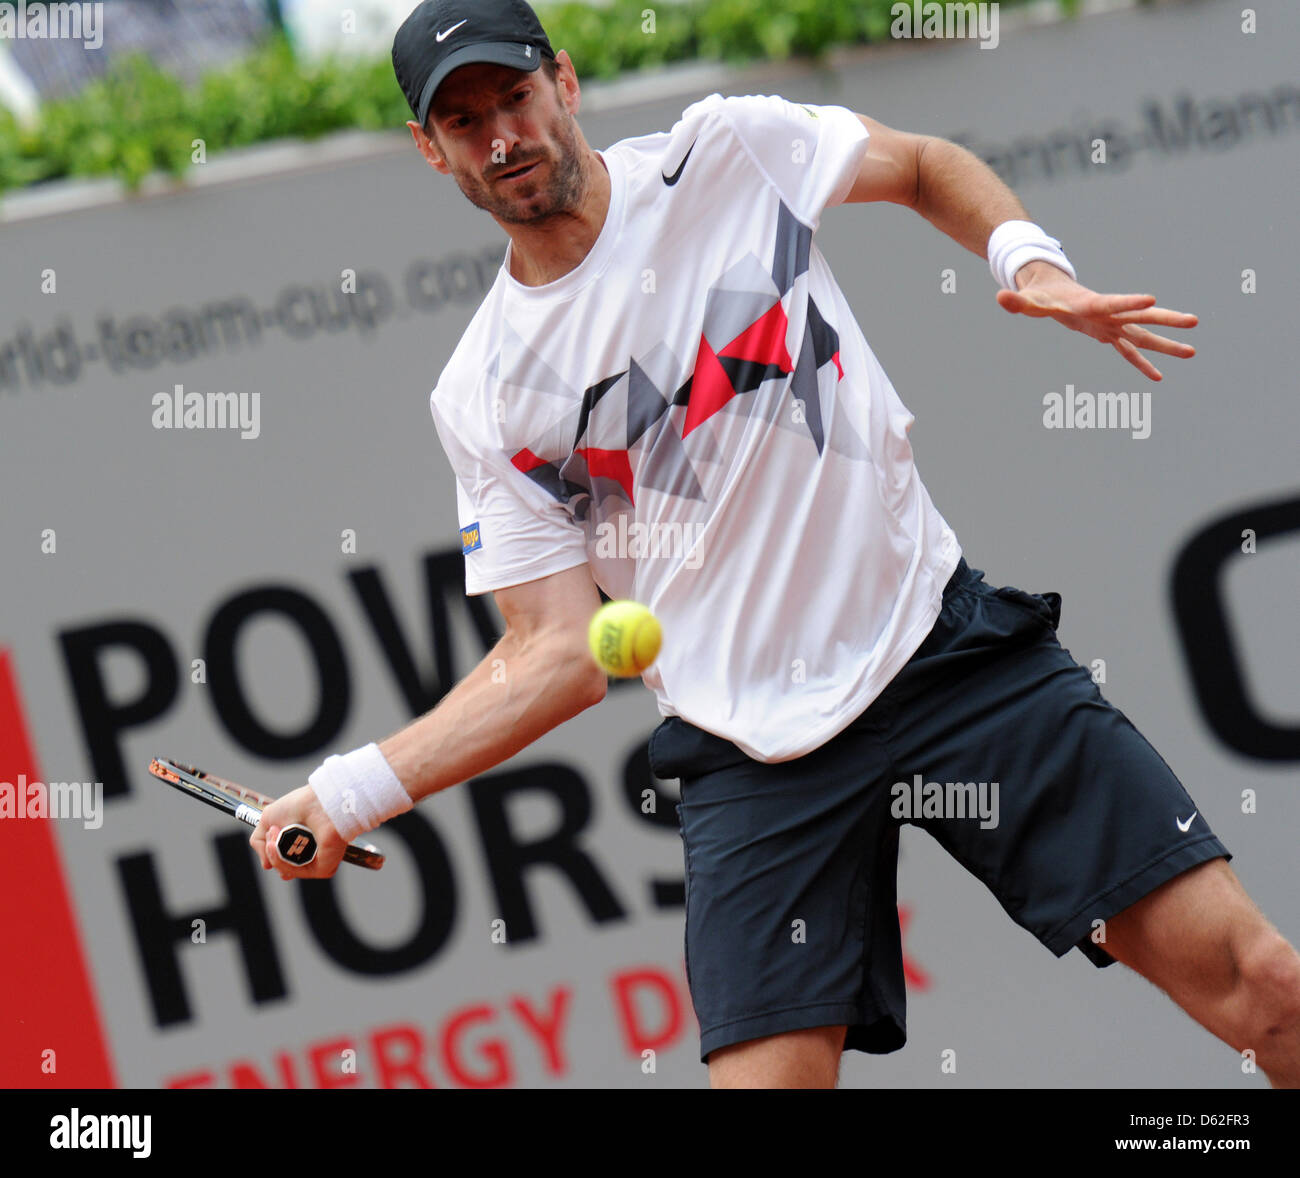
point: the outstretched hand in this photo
(1046, 292)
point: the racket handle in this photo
(296, 844)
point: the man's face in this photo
(509, 141)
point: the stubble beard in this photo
(561, 192)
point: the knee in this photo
(792, 1059)
(1269, 988)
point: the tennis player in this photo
(665, 394)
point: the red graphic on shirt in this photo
(617, 439)
(609, 464)
(711, 388)
(526, 460)
(764, 341)
(761, 345)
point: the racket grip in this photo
(296, 844)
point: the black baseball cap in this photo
(442, 35)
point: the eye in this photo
(521, 95)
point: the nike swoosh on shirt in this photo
(1185, 826)
(440, 37)
(677, 175)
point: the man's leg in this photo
(793, 1059)
(1202, 940)
(792, 937)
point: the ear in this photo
(566, 77)
(428, 148)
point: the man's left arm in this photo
(963, 197)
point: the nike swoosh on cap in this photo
(677, 175)
(440, 37)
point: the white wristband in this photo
(1014, 244)
(359, 791)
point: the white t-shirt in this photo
(695, 413)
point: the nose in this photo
(504, 139)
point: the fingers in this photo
(1142, 338)
(328, 858)
(273, 853)
(1112, 318)
(257, 840)
(1161, 316)
(1118, 304)
(1126, 308)
(1139, 361)
(293, 808)
(1084, 303)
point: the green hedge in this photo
(137, 119)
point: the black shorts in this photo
(791, 910)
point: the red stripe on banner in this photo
(49, 1003)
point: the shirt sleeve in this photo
(809, 154)
(511, 529)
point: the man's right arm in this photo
(538, 675)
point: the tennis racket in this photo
(296, 844)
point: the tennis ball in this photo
(624, 638)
